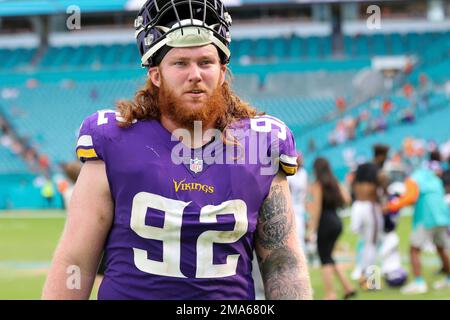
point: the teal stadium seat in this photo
(314, 47)
(261, 48)
(279, 48)
(413, 42)
(397, 46)
(245, 47)
(234, 48)
(296, 47)
(362, 46)
(16, 58)
(349, 49)
(378, 44)
(327, 46)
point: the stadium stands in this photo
(52, 113)
(430, 124)
(94, 56)
(10, 162)
(294, 110)
(15, 58)
(294, 78)
(281, 49)
(323, 84)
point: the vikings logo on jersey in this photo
(181, 231)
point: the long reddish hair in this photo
(145, 106)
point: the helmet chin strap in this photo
(186, 33)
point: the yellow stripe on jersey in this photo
(289, 170)
(86, 153)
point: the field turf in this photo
(28, 239)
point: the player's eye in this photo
(205, 62)
(179, 63)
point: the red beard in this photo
(174, 108)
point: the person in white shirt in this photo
(298, 184)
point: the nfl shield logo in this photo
(196, 165)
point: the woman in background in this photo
(326, 226)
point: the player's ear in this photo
(155, 76)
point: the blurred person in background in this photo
(71, 170)
(424, 91)
(327, 196)
(425, 190)
(368, 186)
(298, 184)
(389, 250)
(48, 192)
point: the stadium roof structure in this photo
(47, 7)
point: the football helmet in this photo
(164, 24)
(396, 278)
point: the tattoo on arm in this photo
(284, 269)
(274, 226)
(281, 276)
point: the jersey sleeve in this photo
(89, 143)
(288, 154)
(281, 142)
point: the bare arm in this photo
(88, 222)
(282, 263)
(383, 181)
(345, 195)
(314, 206)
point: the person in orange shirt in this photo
(425, 190)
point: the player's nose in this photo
(194, 73)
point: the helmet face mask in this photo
(164, 24)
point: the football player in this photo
(179, 214)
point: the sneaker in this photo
(415, 288)
(442, 284)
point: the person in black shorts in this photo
(326, 226)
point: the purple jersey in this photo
(183, 230)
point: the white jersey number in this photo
(264, 124)
(102, 119)
(170, 235)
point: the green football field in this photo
(27, 241)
